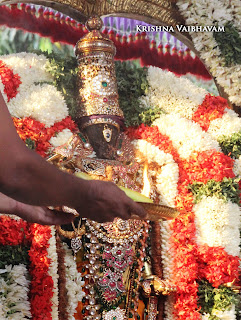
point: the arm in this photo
(28, 178)
(30, 213)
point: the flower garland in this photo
(202, 13)
(42, 139)
(35, 99)
(191, 154)
(200, 166)
(211, 108)
(74, 283)
(182, 240)
(14, 287)
(180, 130)
(229, 124)
(221, 302)
(172, 94)
(10, 81)
(53, 267)
(61, 138)
(41, 292)
(13, 232)
(226, 189)
(217, 224)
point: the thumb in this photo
(138, 210)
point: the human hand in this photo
(104, 201)
(35, 214)
(42, 215)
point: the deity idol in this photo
(114, 258)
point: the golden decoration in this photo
(157, 212)
(98, 94)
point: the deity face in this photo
(103, 139)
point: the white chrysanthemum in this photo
(41, 102)
(228, 314)
(52, 271)
(172, 94)
(74, 283)
(217, 223)
(166, 252)
(61, 138)
(14, 293)
(167, 177)
(227, 125)
(169, 309)
(29, 66)
(186, 135)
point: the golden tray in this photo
(154, 211)
(157, 212)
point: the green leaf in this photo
(227, 189)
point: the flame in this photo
(147, 186)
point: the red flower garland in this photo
(217, 266)
(185, 267)
(36, 131)
(41, 290)
(10, 80)
(211, 108)
(192, 263)
(17, 232)
(13, 232)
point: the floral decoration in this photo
(201, 244)
(221, 13)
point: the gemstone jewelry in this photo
(117, 314)
(107, 133)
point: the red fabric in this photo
(161, 60)
(175, 62)
(167, 57)
(144, 49)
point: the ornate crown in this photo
(98, 95)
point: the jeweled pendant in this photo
(107, 133)
(76, 244)
(117, 314)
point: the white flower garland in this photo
(42, 102)
(203, 13)
(52, 271)
(217, 224)
(168, 177)
(172, 94)
(227, 125)
(14, 293)
(29, 66)
(74, 283)
(61, 138)
(186, 135)
(167, 255)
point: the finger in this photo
(58, 218)
(137, 209)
